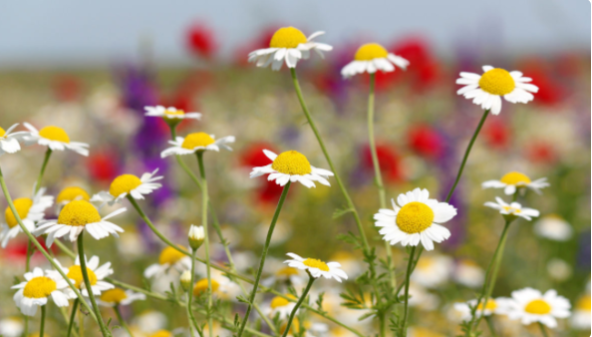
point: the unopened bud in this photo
(186, 280)
(196, 236)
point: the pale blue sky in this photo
(75, 32)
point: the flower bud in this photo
(196, 236)
(186, 280)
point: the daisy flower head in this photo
(116, 297)
(169, 259)
(372, 57)
(55, 138)
(415, 218)
(553, 227)
(96, 274)
(70, 194)
(317, 268)
(170, 113)
(30, 210)
(433, 271)
(494, 306)
(37, 288)
(281, 306)
(530, 306)
(513, 210)
(487, 90)
(11, 327)
(288, 44)
(513, 181)
(222, 287)
(291, 166)
(582, 318)
(129, 184)
(9, 140)
(195, 142)
(74, 218)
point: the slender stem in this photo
(298, 304)
(91, 296)
(121, 320)
(263, 256)
(180, 160)
(190, 294)
(543, 330)
(42, 325)
(407, 277)
(72, 317)
(489, 321)
(43, 167)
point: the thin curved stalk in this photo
(72, 317)
(121, 320)
(190, 293)
(298, 304)
(489, 320)
(406, 306)
(42, 324)
(543, 330)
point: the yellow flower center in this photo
(287, 271)
(162, 333)
(287, 37)
(202, 286)
(415, 217)
(39, 287)
(538, 307)
(125, 183)
(491, 305)
(584, 304)
(113, 295)
(75, 274)
(72, 193)
(54, 133)
(169, 112)
(497, 82)
(314, 263)
(279, 301)
(370, 51)
(292, 163)
(515, 178)
(196, 139)
(511, 209)
(2, 132)
(170, 256)
(78, 213)
(22, 206)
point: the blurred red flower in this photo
(425, 140)
(268, 192)
(200, 40)
(497, 134)
(259, 42)
(67, 88)
(387, 159)
(550, 91)
(541, 152)
(102, 166)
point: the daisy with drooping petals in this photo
(280, 306)
(170, 113)
(290, 45)
(513, 209)
(30, 210)
(55, 138)
(116, 297)
(415, 219)
(317, 268)
(291, 166)
(530, 306)
(75, 217)
(198, 141)
(96, 275)
(36, 290)
(372, 57)
(70, 194)
(514, 181)
(9, 141)
(129, 184)
(486, 90)
(169, 258)
(494, 306)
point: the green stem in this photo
(298, 304)
(406, 307)
(489, 321)
(190, 293)
(72, 317)
(42, 325)
(91, 296)
(180, 160)
(543, 330)
(263, 256)
(121, 320)
(42, 172)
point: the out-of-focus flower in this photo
(291, 166)
(559, 270)
(486, 90)
(497, 306)
(513, 210)
(469, 273)
(421, 298)
(200, 40)
(128, 184)
(286, 275)
(170, 113)
(11, 327)
(96, 275)
(415, 219)
(9, 140)
(185, 280)
(116, 297)
(75, 217)
(30, 210)
(281, 233)
(150, 322)
(432, 271)
(581, 318)
(196, 236)
(221, 287)
(169, 258)
(541, 152)
(68, 194)
(426, 67)
(350, 263)
(389, 162)
(530, 306)
(497, 134)
(198, 141)
(54, 138)
(553, 227)
(317, 268)
(290, 45)
(370, 58)
(422, 332)
(281, 306)
(37, 288)
(102, 166)
(268, 191)
(515, 180)
(426, 141)
(551, 90)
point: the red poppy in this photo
(268, 192)
(425, 140)
(200, 40)
(102, 166)
(388, 160)
(550, 91)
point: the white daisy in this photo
(513, 209)
(222, 287)
(372, 57)
(75, 217)
(169, 258)
(9, 141)
(497, 306)
(37, 288)
(30, 210)
(415, 219)
(469, 273)
(433, 271)
(55, 138)
(317, 268)
(170, 113)
(581, 318)
(553, 227)
(280, 306)
(530, 306)
(486, 90)
(291, 166)
(129, 184)
(198, 141)
(11, 327)
(289, 44)
(96, 275)
(116, 297)
(515, 180)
